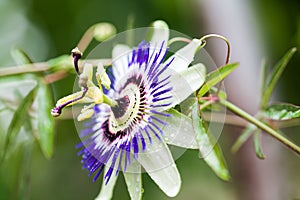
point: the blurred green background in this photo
(46, 29)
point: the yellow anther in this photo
(74, 96)
(68, 98)
(85, 114)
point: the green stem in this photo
(21, 69)
(109, 101)
(44, 66)
(86, 38)
(178, 39)
(261, 125)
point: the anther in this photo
(55, 112)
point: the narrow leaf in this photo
(243, 138)
(257, 144)
(275, 75)
(20, 56)
(282, 111)
(209, 149)
(264, 76)
(215, 77)
(23, 183)
(45, 120)
(18, 119)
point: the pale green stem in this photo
(109, 101)
(205, 105)
(86, 38)
(261, 125)
(178, 39)
(21, 69)
(43, 66)
(210, 101)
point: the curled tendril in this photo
(222, 38)
(203, 39)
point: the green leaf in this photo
(22, 187)
(243, 137)
(45, 120)
(282, 111)
(257, 144)
(275, 75)
(20, 56)
(63, 62)
(209, 149)
(215, 77)
(264, 77)
(18, 119)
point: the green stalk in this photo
(109, 101)
(45, 66)
(261, 125)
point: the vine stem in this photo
(44, 66)
(261, 125)
(178, 39)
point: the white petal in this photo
(120, 55)
(183, 84)
(184, 56)
(159, 164)
(133, 180)
(179, 130)
(158, 40)
(106, 191)
(160, 33)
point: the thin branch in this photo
(44, 66)
(21, 69)
(224, 118)
(261, 125)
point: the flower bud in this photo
(104, 31)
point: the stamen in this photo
(55, 112)
(83, 79)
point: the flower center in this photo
(130, 108)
